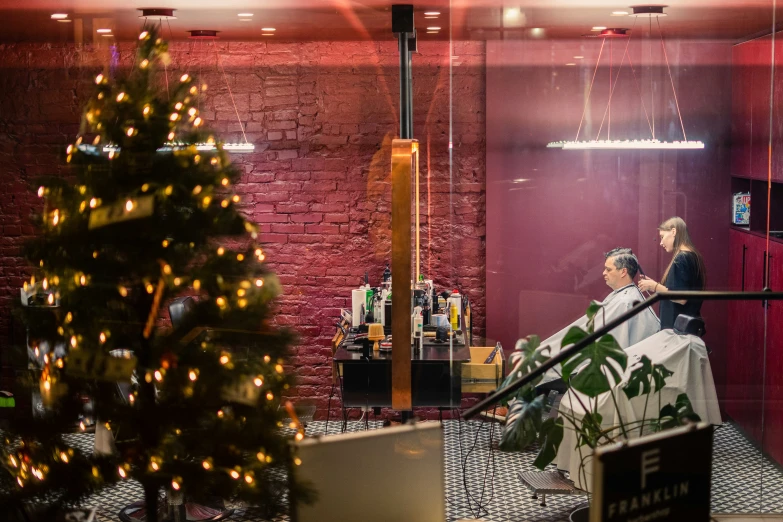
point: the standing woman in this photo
(685, 272)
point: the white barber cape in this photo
(634, 330)
(684, 355)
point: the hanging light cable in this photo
(628, 144)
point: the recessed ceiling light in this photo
(268, 29)
(65, 20)
(104, 30)
(537, 31)
(431, 17)
(59, 16)
(109, 35)
(619, 13)
(598, 28)
(578, 57)
(267, 34)
(433, 32)
(245, 14)
(433, 28)
(431, 13)
(571, 63)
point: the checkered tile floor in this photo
(743, 480)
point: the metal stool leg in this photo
(543, 501)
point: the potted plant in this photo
(592, 415)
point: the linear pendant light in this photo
(653, 143)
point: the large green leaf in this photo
(642, 375)
(550, 438)
(677, 415)
(592, 379)
(523, 424)
(525, 358)
(588, 433)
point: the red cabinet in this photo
(773, 382)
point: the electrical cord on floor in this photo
(481, 506)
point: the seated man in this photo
(620, 268)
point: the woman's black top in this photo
(683, 275)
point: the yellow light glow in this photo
(269, 396)
(144, 63)
(130, 131)
(220, 413)
(154, 465)
(123, 291)
(299, 436)
(150, 288)
(146, 110)
(196, 190)
(224, 182)
(221, 251)
(55, 280)
(242, 303)
(93, 203)
(166, 269)
(177, 281)
(165, 243)
(174, 116)
(74, 342)
(224, 359)
(95, 255)
(64, 456)
(206, 465)
(224, 203)
(196, 284)
(197, 121)
(168, 190)
(47, 385)
(260, 456)
(194, 90)
(129, 205)
(192, 375)
(82, 206)
(267, 359)
(259, 283)
(121, 96)
(279, 368)
(178, 105)
(102, 337)
(55, 217)
(158, 376)
(248, 479)
(206, 201)
(192, 111)
(131, 398)
(234, 474)
(297, 461)
(82, 280)
(175, 485)
(235, 198)
(196, 159)
(99, 78)
(143, 35)
(50, 299)
(171, 135)
(121, 472)
(184, 77)
(241, 292)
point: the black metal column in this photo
(402, 25)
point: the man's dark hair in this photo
(624, 258)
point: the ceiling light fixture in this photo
(157, 13)
(619, 13)
(578, 57)
(570, 63)
(598, 28)
(245, 14)
(65, 21)
(268, 29)
(267, 34)
(433, 32)
(59, 16)
(629, 144)
(433, 28)
(203, 34)
(245, 19)
(431, 13)
(103, 30)
(431, 17)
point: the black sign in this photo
(665, 476)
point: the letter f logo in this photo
(651, 462)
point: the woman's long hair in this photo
(683, 239)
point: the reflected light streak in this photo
(625, 145)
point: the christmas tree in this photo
(147, 215)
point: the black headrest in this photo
(685, 324)
(179, 310)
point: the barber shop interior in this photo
(319, 260)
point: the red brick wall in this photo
(322, 116)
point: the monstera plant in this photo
(597, 369)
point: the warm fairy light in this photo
(206, 201)
(50, 299)
(220, 413)
(299, 436)
(130, 132)
(175, 485)
(148, 377)
(55, 217)
(128, 205)
(150, 288)
(146, 111)
(241, 292)
(224, 182)
(59, 363)
(121, 472)
(68, 317)
(74, 342)
(279, 368)
(174, 116)
(19, 481)
(123, 291)
(82, 206)
(143, 35)
(45, 283)
(196, 190)
(196, 285)
(144, 63)
(167, 269)
(102, 337)
(267, 359)
(221, 251)
(40, 191)
(242, 303)
(177, 281)
(131, 398)
(248, 479)
(260, 456)
(234, 474)
(192, 375)
(82, 426)
(12, 459)
(171, 135)
(235, 198)
(297, 461)
(224, 359)
(154, 465)
(224, 203)
(258, 381)
(158, 376)
(165, 243)
(95, 254)
(269, 396)
(93, 203)
(97, 140)
(192, 111)
(99, 78)
(194, 90)
(292, 425)
(64, 457)
(206, 465)
(47, 385)
(178, 105)
(259, 283)
(197, 121)
(184, 77)
(121, 96)
(259, 254)
(82, 280)
(168, 190)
